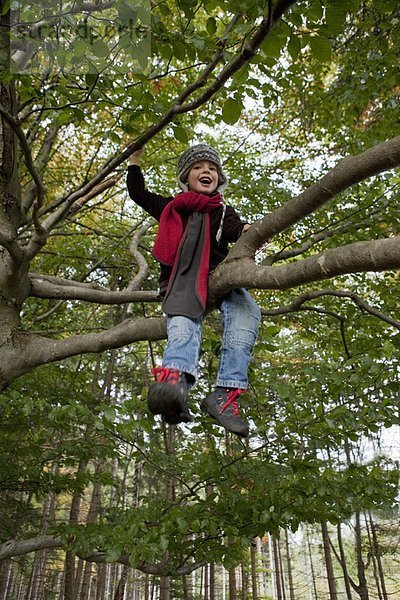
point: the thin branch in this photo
(348, 172)
(16, 126)
(247, 52)
(11, 245)
(142, 263)
(42, 288)
(298, 304)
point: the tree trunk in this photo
(377, 553)
(312, 572)
(245, 581)
(69, 567)
(278, 581)
(5, 579)
(362, 579)
(289, 566)
(165, 588)
(38, 573)
(343, 563)
(120, 590)
(253, 561)
(101, 582)
(328, 561)
(232, 584)
(212, 582)
(281, 569)
(94, 509)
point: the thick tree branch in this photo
(32, 350)
(376, 255)
(13, 548)
(346, 173)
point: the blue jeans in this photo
(240, 317)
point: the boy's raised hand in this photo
(135, 157)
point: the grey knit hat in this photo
(195, 154)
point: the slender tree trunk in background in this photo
(5, 579)
(69, 566)
(206, 583)
(253, 563)
(120, 590)
(165, 588)
(94, 509)
(328, 561)
(312, 572)
(281, 569)
(185, 587)
(278, 581)
(169, 441)
(343, 562)
(289, 566)
(212, 582)
(377, 554)
(372, 555)
(245, 581)
(101, 582)
(362, 579)
(38, 573)
(232, 584)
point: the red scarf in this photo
(171, 229)
(187, 251)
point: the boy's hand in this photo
(245, 228)
(134, 158)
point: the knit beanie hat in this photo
(193, 155)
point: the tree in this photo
(65, 135)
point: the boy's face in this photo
(203, 177)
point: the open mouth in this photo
(205, 180)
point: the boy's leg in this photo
(241, 318)
(168, 396)
(183, 347)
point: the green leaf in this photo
(180, 134)
(99, 49)
(321, 48)
(231, 111)
(294, 46)
(211, 25)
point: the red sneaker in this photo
(222, 406)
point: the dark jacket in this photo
(154, 204)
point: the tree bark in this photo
(289, 566)
(69, 567)
(377, 553)
(343, 563)
(253, 562)
(362, 588)
(328, 561)
(277, 569)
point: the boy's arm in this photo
(233, 225)
(150, 202)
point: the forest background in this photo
(97, 498)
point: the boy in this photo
(195, 229)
